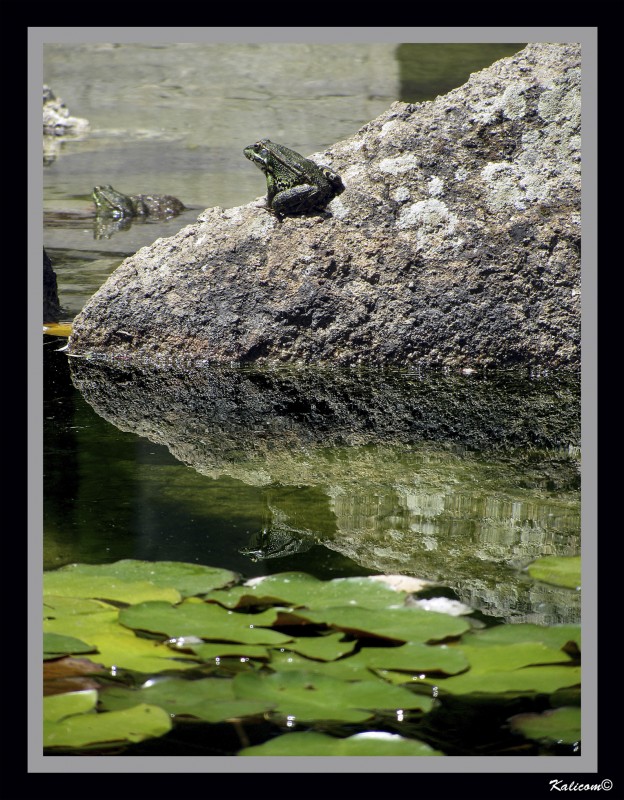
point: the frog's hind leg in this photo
(297, 200)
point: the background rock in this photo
(51, 307)
(456, 242)
(56, 118)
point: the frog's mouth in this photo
(251, 154)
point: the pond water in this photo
(459, 479)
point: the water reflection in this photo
(461, 480)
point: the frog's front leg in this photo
(297, 200)
(272, 190)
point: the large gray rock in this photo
(456, 242)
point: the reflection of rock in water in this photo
(444, 489)
(58, 123)
(241, 409)
(467, 524)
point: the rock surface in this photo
(51, 306)
(456, 243)
(56, 118)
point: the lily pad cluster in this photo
(177, 643)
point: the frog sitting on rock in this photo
(295, 185)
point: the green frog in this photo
(295, 185)
(111, 203)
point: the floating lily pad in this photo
(301, 589)
(117, 646)
(371, 743)
(56, 645)
(206, 620)
(210, 651)
(107, 729)
(401, 624)
(541, 680)
(512, 656)
(307, 696)
(554, 635)
(283, 660)
(76, 584)
(558, 570)
(209, 699)
(415, 657)
(187, 579)
(55, 606)
(58, 706)
(323, 648)
(86, 626)
(555, 725)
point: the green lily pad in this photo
(86, 626)
(372, 743)
(55, 606)
(76, 584)
(187, 579)
(555, 725)
(209, 699)
(58, 706)
(540, 680)
(107, 729)
(301, 589)
(415, 657)
(401, 624)
(512, 656)
(322, 648)
(558, 570)
(205, 620)
(117, 646)
(351, 668)
(211, 651)
(56, 645)
(553, 636)
(307, 696)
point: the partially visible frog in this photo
(111, 203)
(276, 544)
(295, 185)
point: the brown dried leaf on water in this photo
(70, 675)
(63, 329)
